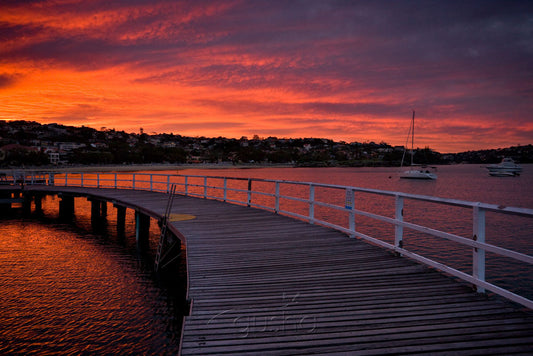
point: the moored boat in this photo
(506, 168)
(415, 173)
(422, 173)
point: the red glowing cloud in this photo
(349, 72)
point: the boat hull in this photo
(504, 172)
(507, 168)
(418, 174)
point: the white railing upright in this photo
(398, 229)
(225, 189)
(478, 258)
(311, 204)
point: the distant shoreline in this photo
(164, 167)
(145, 167)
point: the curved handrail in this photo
(219, 188)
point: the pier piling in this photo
(142, 230)
(66, 207)
(121, 219)
(5, 202)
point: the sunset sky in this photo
(344, 70)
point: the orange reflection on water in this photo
(67, 291)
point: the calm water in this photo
(68, 290)
(467, 182)
(76, 287)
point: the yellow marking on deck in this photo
(181, 217)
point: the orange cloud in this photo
(349, 72)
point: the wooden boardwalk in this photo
(264, 284)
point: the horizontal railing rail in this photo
(267, 194)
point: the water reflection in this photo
(68, 289)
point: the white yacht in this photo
(506, 168)
(422, 173)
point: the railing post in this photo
(186, 186)
(97, 180)
(151, 182)
(225, 189)
(133, 181)
(478, 262)
(311, 204)
(51, 178)
(277, 197)
(349, 204)
(205, 187)
(398, 229)
(115, 181)
(168, 183)
(81, 183)
(249, 199)
(66, 179)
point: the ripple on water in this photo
(66, 294)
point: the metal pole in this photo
(205, 187)
(249, 199)
(351, 205)
(478, 262)
(311, 204)
(277, 197)
(398, 229)
(225, 189)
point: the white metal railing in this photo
(24, 178)
(268, 196)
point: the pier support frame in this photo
(66, 207)
(121, 219)
(98, 209)
(98, 214)
(5, 202)
(26, 203)
(22, 199)
(142, 230)
(38, 201)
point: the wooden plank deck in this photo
(264, 284)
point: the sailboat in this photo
(415, 173)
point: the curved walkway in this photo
(261, 284)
